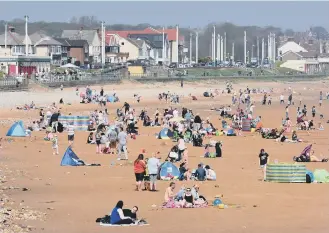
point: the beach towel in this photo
(125, 225)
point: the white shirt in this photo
(181, 144)
(175, 113)
(70, 130)
(281, 97)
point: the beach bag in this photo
(173, 155)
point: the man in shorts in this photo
(153, 165)
(70, 133)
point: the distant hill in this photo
(234, 32)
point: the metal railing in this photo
(70, 78)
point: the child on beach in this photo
(54, 141)
(263, 160)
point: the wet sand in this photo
(73, 197)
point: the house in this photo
(78, 52)
(65, 50)
(290, 46)
(113, 54)
(92, 38)
(12, 55)
(45, 45)
(15, 44)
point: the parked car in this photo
(173, 65)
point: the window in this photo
(159, 53)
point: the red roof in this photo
(110, 39)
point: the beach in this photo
(69, 199)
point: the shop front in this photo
(15, 65)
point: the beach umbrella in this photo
(307, 150)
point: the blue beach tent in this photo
(168, 171)
(70, 158)
(166, 133)
(17, 130)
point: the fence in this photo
(55, 81)
(11, 84)
(270, 78)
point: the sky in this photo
(294, 15)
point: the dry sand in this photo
(73, 197)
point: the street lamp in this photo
(26, 36)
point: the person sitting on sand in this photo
(90, 139)
(210, 174)
(169, 196)
(118, 217)
(200, 173)
(188, 200)
(295, 138)
(185, 174)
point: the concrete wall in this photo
(298, 65)
(42, 51)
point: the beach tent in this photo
(111, 99)
(246, 124)
(309, 176)
(321, 175)
(70, 158)
(168, 171)
(17, 130)
(165, 133)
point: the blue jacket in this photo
(115, 217)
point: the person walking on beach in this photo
(98, 142)
(287, 111)
(269, 100)
(122, 147)
(281, 99)
(70, 133)
(54, 141)
(321, 98)
(313, 111)
(62, 87)
(263, 160)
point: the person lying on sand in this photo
(309, 158)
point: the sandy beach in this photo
(69, 199)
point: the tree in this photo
(74, 20)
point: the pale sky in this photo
(294, 15)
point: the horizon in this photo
(194, 14)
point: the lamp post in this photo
(26, 35)
(103, 45)
(197, 47)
